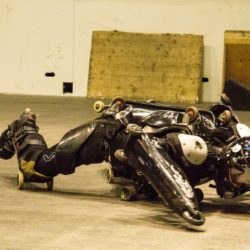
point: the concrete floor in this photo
(84, 212)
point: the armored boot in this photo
(7, 149)
(29, 144)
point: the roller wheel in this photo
(128, 193)
(226, 117)
(191, 115)
(119, 100)
(196, 219)
(99, 106)
(20, 180)
(50, 184)
(199, 194)
(110, 175)
(120, 155)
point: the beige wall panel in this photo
(165, 67)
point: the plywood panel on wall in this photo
(237, 56)
(164, 67)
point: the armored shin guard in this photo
(28, 143)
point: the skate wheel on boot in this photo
(191, 115)
(20, 180)
(128, 193)
(110, 175)
(120, 155)
(99, 106)
(119, 101)
(50, 184)
(196, 219)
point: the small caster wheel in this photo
(50, 184)
(117, 104)
(120, 155)
(199, 194)
(99, 106)
(226, 117)
(110, 175)
(119, 101)
(20, 180)
(191, 115)
(128, 193)
(196, 218)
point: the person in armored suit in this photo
(89, 143)
(170, 149)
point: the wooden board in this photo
(237, 56)
(164, 67)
